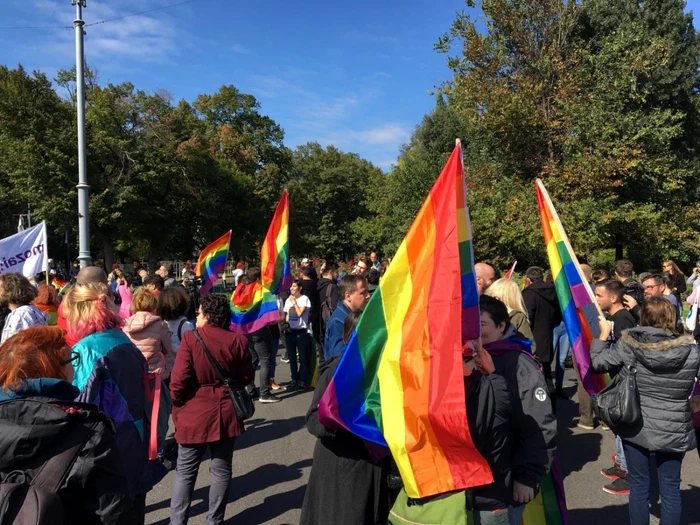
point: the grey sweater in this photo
(667, 366)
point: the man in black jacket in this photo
(328, 295)
(624, 271)
(545, 315)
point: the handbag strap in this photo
(213, 361)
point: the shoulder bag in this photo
(242, 402)
(617, 405)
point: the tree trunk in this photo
(619, 252)
(108, 249)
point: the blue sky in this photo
(356, 75)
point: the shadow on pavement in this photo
(264, 430)
(266, 476)
(271, 508)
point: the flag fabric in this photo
(471, 316)
(573, 291)
(399, 382)
(25, 252)
(59, 284)
(274, 255)
(212, 261)
(549, 506)
(509, 273)
(254, 305)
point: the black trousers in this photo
(260, 348)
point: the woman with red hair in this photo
(47, 301)
(36, 367)
(111, 374)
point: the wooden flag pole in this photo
(565, 238)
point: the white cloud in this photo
(238, 48)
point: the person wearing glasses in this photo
(36, 370)
(676, 279)
(361, 267)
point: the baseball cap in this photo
(91, 274)
(304, 260)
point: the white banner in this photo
(24, 252)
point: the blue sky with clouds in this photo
(354, 74)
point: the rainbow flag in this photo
(399, 382)
(59, 284)
(274, 255)
(549, 506)
(212, 261)
(573, 291)
(509, 273)
(253, 306)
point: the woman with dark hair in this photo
(47, 301)
(173, 304)
(204, 416)
(677, 282)
(296, 309)
(666, 367)
(17, 293)
(38, 419)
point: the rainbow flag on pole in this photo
(573, 291)
(509, 273)
(212, 261)
(59, 284)
(255, 305)
(399, 382)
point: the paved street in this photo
(272, 461)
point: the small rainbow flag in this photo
(399, 382)
(573, 291)
(59, 284)
(274, 255)
(509, 273)
(254, 305)
(212, 261)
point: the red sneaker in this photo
(619, 487)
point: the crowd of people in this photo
(105, 363)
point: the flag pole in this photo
(565, 239)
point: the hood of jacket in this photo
(140, 321)
(546, 291)
(658, 349)
(323, 283)
(42, 387)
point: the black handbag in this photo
(242, 402)
(617, 405)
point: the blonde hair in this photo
(508, 292)
(89, 308)
(144, 301)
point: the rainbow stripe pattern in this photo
(274, 255)
(211, 262)
(254, 305)
(549, 506)
(471, 316)
(399, 382)
(59, 284)
(573, 291)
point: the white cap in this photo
(305, 260)
(50, 261)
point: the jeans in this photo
(668, 467)
(515, 515)
(259, 346)
(562, 348)
(274, 346)
(620, 453)
(189, 458)
(488, 517)
(299, 339)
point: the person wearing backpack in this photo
(328, 294)
(665, 366)
(59, 462)
(173, 304)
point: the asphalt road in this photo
(272, 461)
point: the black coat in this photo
(545, 315)
(95, 489)
(345, 486)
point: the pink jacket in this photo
(124, 308)
(151, 335)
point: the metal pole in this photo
(83, 187)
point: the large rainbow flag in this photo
(211, 262)
(400, 382)
(549, 506)
(573, 291)
(255, 305)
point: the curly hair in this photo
(16, 289)
(46, 295)
(144, 301)
(217, 310)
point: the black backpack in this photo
(36, 502)
(326, 308)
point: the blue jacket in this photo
(112, 374)
(333, 341)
